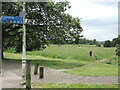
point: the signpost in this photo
(21, 14)
(11, 19)
(24, 49)
(25, 68)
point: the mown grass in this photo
(107, 68)
(99, 69)
(47, 62)
(73, 85)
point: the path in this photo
(52, 76)
(12, 77)
(11, 74)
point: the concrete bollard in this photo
(41, 72)
(36, 69)
(28, 74)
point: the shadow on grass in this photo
(54, 64)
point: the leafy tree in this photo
(94, 41)
(46, 22)
(108, 43)
(114, 42)
(118, 46)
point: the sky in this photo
(99, 18)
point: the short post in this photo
(90, 53)
(41, 72)
(28, 74)
(36, 69)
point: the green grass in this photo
(77, 52)
(47, 62)
(74, 85)
(71, 56)
(98, 69)
(73, 52)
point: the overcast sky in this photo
(99, 18)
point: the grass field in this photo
(74, 85)
(98, 69)
(77, 52)
(71, 56)
(47, 62)
(74, 52)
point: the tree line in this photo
(78, 41)
(86, 41)
(112, 43)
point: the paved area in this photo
(0, 82)
(11, 77)
(11, 74)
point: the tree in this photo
(114, 42)
(47, 22)
(94, 41)
(108, 43)
(118, 46)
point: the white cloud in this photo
(88, 10)
(99, 19)
(100, 33)
(90, 0)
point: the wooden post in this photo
(28, 74)
(90, 53)
(41, 72)
(36, 69)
